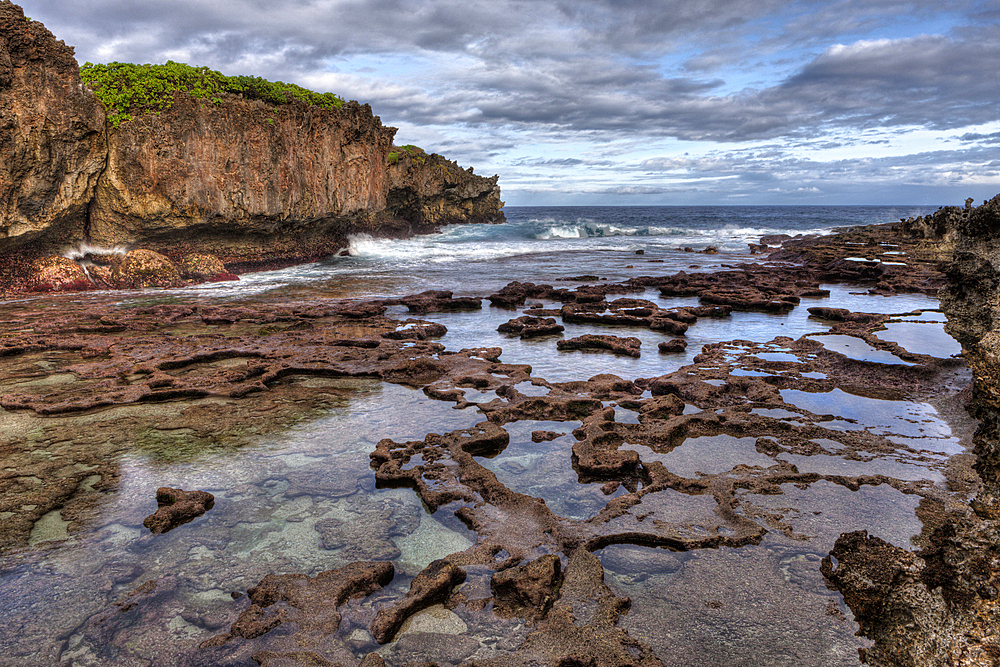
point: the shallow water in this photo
(303, 500)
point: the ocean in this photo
(543, 244)
(287, 497)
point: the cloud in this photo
(993, 138)
(756, 88)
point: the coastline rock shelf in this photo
(286, 478)
(377, 497)
(254, 184)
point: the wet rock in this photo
(201, 267)
(416, 330)
(844, 315)
(366, 532)
(672, 346)
(516, 293)
(912, 623)
(527, 590)
(424, 649)
(532, 327)
(145, 268)
(177, 507)
(597, 311)
(628, 347)
(582, 626)
(545, 436)
(435, 301)
(432, 585)
(309, 602)
(58, 274)
(668, 325)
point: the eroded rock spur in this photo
(531, 574)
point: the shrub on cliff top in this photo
(125, 89)
(418, 154)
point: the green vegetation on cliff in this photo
(126, 89)
(418, 154)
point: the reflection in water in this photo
(304, 501)
(921, 338)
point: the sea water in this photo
(761, 605)
(546, 244)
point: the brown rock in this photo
(429, 587)
(532, 327)
(429, 189)
(669, 325)
(46, 112)
(200, 266)
(628, 347)
(145, 268)
(672, 346)
(311, 602)
(527, 590)
(58, 274)
(177, 507)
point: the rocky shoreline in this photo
(204, 193)
(126, 377)
(253, 185)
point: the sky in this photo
(622, 102)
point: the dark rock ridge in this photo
(255, 185)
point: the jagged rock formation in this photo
(431, 189)
(255, 185)
(941, 606)
(941, 224)
(52, 136)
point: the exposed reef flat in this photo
(480, 513)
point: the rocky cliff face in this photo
(430, 189)
(244, 181)
(52, 136)
(256, 185)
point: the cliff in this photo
(431, 189)
(244, 181)
(256, 184)
(52, 137)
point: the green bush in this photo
(126, 89)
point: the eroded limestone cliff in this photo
(244, 181)
(254, 184)
(53, 144)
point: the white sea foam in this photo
(80, 251)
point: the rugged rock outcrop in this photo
(940, 605)
(430, 189)
(52, 137)
(255, 185)
(243, 181)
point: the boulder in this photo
(58, 274)
(145, 268)
(177, 507)
(201, 267)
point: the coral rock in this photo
(177, 507)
